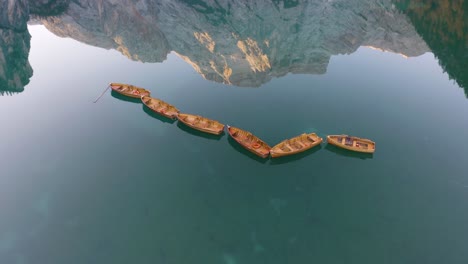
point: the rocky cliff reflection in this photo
(443, 25)
(243, 43)
(15, 70)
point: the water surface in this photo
(112, 182)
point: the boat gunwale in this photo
(248, 147)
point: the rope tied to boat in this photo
(107, 88)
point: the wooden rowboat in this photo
(249, 141)
(352, 143)
(295, 145)
(129, 90)
(160, 107)
(201, 123)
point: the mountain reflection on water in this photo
(242, 43)
(443, 25)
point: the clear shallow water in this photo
(112, 183)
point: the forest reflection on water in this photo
(246, 44)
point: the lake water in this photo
(111, 182)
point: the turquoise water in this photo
(111, 182)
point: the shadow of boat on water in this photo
(199, 133)
(125, 98)
(295, 157)
(348, 153)
(244, 151)
(155, 115)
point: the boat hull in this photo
(263, 150)
(129, 90)
(162, 108)
(295, 145)
(188, 120)
(356, 144)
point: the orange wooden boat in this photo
(129, 90)
(160, 107)
(295, 145)
(201, 123)
(249, 141)
(352, 143)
